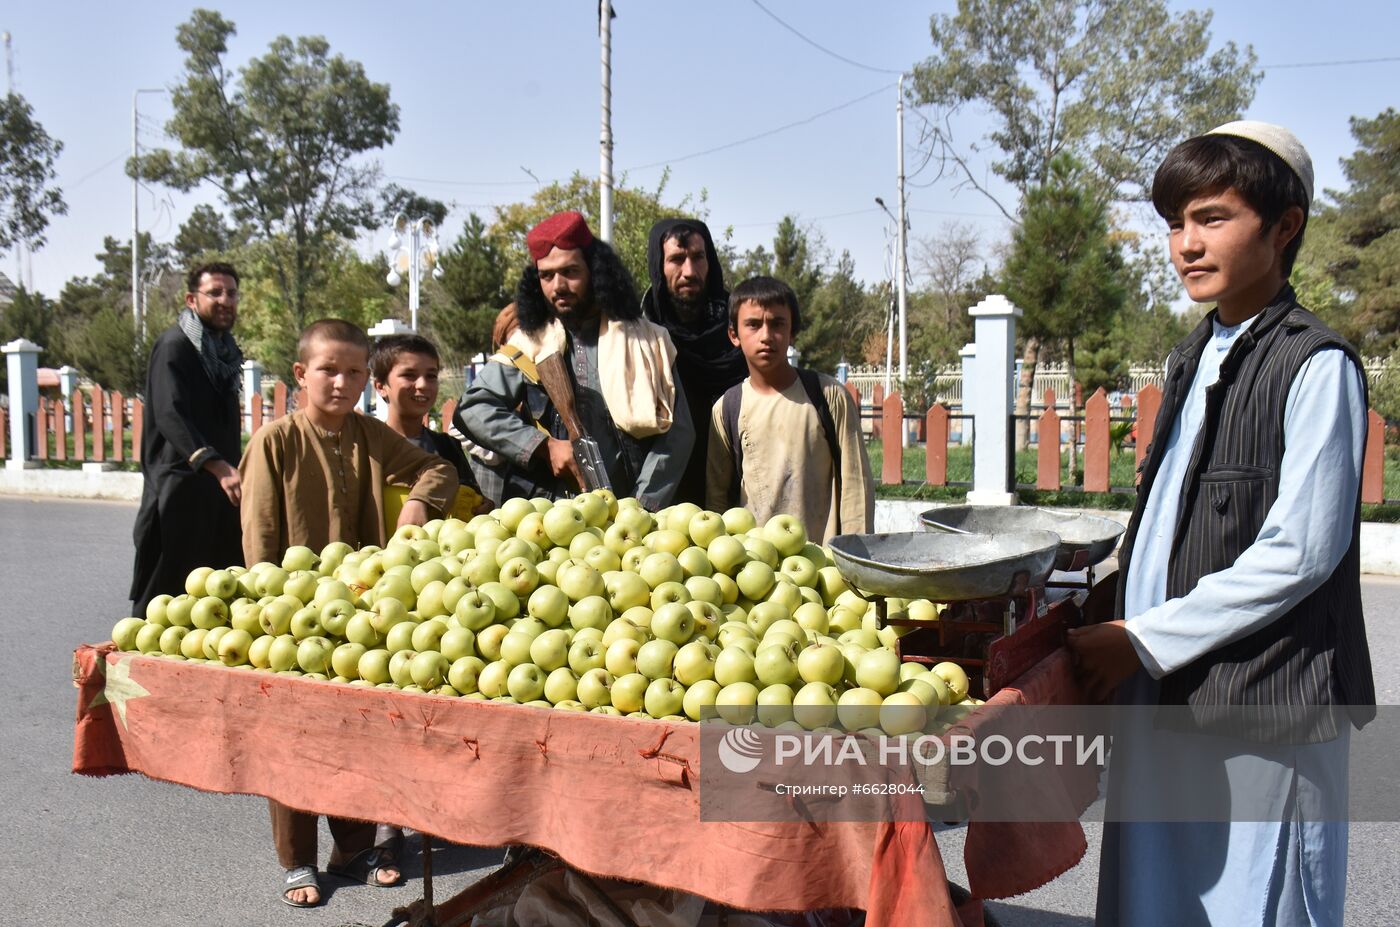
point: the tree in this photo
(27, 156)
(397, 199)
(474, 278)
(282, 142)
(797, 259)
(1064, 271)
(1114, 83)
(836, 319)
(203, 235)
(29, 315)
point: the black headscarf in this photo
(709, 364)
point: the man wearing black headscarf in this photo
(687, 297)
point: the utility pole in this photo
(10, 88)
(138, 318)
(605, 177)
(903, 258)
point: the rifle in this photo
(560, 389)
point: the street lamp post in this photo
(138, 316)
(413, 250)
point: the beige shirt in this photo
(787, 466)
(305, 485)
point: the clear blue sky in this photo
(488, 88)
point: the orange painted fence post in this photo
(79, 426)
(4, 432)
(892, 424)
(449, 411)
(118, 426)
(60, 429)
(1149, 403)
(99, 425)
(41, 430)
(1047, 460)
(138, 423)
(936, 445)
(1096, 442)
(877, 403)
(1373, 460)
(279, 399)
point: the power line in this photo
(834, 215)
(821, 48)
(1327, 64)
(754, 138)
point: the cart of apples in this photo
(584, 604)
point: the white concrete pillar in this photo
(843, 372)
(67, 386)
(969, 356)
(252, 391)
(989, 395)
(22, 365)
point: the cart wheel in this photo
(960, 894)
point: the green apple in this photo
(879, 670)
(176, 612)
(812, 617)
(457, 642)
(595, 688)
(641, 616)
(360, 630)
(592, 611)
(520, 576)
(561, 685)
(191, 645)
(333, 555)
(707, 619)
(955, 677)
(902, 713)
(755, 579)
(194, 582)
(737, 702)
(626, 590)
(776, 664)
(655, 658)
(489, 640)
(314, 654)
(601, 558)
(831, 584)
(155, 610)
(940, 689)
(171, 638)
(699, 701)
(550, 650)
(463, 674)
(329, 589)
(764, 615)
(586, 654)
(306, 622)
(859, 708)
(922, 689)
(694, 662)
(704, 527)
(632, 560)
(785, 532)
(667, 541)
(800, 570)
(428, 669)
(629, 692)
(667, 593)
(493, 678)
(678, 517)
(507, 602)
(515, 647)
(301, 585)
(400, 636)
(775, 704)
(841, 620)
(475, 611)
(761, 549)
(727, 554)
(784, 593)
(620, 538)
(401, 668)
(272, 579)
(282, 654)
(452, 593)
(531, 528)
(704, 589)
(911, 670)
(821, 663)
(594, 509)
(729, 590)
(221, 583)
(511, 512)
(661, 567)
(335, 617)
(620, 629)
(734, 664)
(673, 622)
(259, 652)
(738, 520)
(208, 613)
(124, 633)
(428, 572)
(579, 581)
(695, 561)
(815, 705)
(635, 517)
(428, 635)
(563, 522)
(345, 659)
(730, 631)
(664, 697)
(620, 657)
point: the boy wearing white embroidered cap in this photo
(1240, 593)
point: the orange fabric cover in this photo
(1005, 858)
(612, 796)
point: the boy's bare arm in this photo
(262, 510)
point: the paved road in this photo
(128, 851)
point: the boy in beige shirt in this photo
(786, 441)
(316, 476)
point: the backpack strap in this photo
(811, 382)
(729, 413)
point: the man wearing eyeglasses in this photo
(191, 442)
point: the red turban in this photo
(563, 230)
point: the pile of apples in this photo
(586, 604)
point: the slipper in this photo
(364, 868)
(302, 877)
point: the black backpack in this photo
(811, 384)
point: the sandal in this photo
(364, 867)
(302, 877)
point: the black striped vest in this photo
(1316, 655)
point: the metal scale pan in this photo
(945, 567)
(1084, 539)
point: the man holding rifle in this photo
(608, 373)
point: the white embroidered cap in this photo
(1278, 140)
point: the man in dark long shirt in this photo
(688, 298)
(191, 442)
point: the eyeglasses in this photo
(218, 293)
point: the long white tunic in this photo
(1284, 870)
